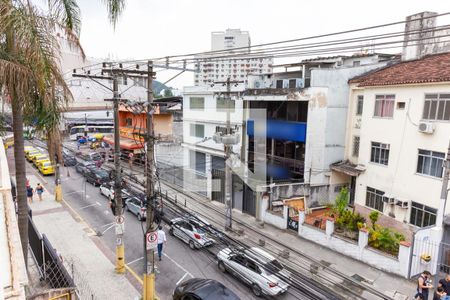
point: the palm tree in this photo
(30, 75)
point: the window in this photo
(355, 151)
(197, 161)
(401, 105)
(359, 105)
(356, 63)
(384, 106)
(436, 107)
(197, 103)
(197, 130)
(430, 163)
(374, 198)
(224, 104)
(128, 122)
(422, 215)
(380, 153)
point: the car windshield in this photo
(273, 266)
(102, 173)
(96, 156)
(47, 164)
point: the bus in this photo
(8, 141)
(91, 130)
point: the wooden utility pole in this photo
(149, 253)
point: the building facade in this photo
(398, 132)
(219, 69)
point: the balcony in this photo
(281, 130)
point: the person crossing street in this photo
(161, 241)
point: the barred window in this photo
(380, 153)
(436, 107)
(384, 106)
(197, 130)
(359, 105)
(197, 103)
(430, 163)
(356, 146)
(422, 215)
(374, 198)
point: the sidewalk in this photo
(389, 284)
(76, 243)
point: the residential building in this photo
(14, 278)
(398, 132)
(219, 69)
(204, 109)
(306, 109)
(167, 119)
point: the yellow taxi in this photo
(38, 158)
(46, 167)
(31, 154)
(28, 149)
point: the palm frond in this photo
(115, 9)
(67, 13)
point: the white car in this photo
(191, 232)
(107, 190)
(249, 266)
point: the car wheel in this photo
(191, 245)
(256, 290)
(171, 231)
(222, 267)
(139, 217)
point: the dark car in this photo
(203, 289)
(69, 160)
(96, 176)
(83, 166)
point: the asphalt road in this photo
(179, 261)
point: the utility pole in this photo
(149, 254)
(444, 190)
(228, 138)
(120, 248)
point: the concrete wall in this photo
(399, 177)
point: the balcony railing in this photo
(293, 165)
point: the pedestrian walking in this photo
(30, 193)
(161, 241)
(39, 191)
(423, 286)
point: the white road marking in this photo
(111, 226)
(74, 192)
(133, 261)
(93, 204)
(178, 265)
(181, 279)
(107, 224)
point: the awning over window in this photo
(126, 143)
(348, 168)
(296, 203)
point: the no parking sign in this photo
(152, 240)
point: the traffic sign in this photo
(152, 240)
(131, 155)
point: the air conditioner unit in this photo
(426, 127)
(388, 199)
(402, 204)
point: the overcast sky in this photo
(150, 28)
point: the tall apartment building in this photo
(219, 69)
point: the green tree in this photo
(30, 75)
(168, 93)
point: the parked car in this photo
(191, 232)
(107, 190)
(83, 166)
(46, 168)
(38, 158)
(31, 154)
(262, 279)
(69, 160)
(93, 157)
(203, 289)
(96, 176)
(27, 149)
(137, 207)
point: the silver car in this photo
(191, 232)
(136, 207)
(261, 277)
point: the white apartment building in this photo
(398, 131)
(219, 69)
(203, 111)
